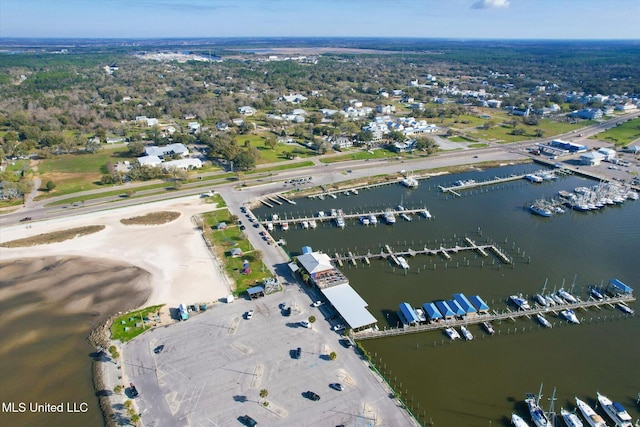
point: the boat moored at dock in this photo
(488, 327)
(538, 416)
(593, 419)
(615, 411)
(518, 421)
(570, 418)
(541, 300)
(520, 302)
(409, 182)
(426, 214)
(285, 226)
(543, 320)
(364, 220)
(452, 333)
(373, 219)
(389, 217)
(466, 333)
(567, 296)
(570, 316)
(625, 308)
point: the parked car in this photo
(305, 324)
(287, 312)
(338, 327)
(249, 314)
(158, 349)
(133, 390)
(317, 304)
(297, 353)
(311, 395)
(248, 421)
(336, 386)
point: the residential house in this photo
(222, 126)
(385, 109)
(295, 98)
(588, 113)
(193, 127)
(247, 110)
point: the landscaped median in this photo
(226, 239)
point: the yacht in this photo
(452, 333)
(463, 182)
(389, 217)
(517, 421)
(625, 308)
(372, 219)
(270, 226)
(543, 320)
(533, 178)
(615, 411)
(557, 299)
(426, 214)
(550, 300)
(596, 294)
(570, 316)
(305, 224)
(421, 316)
(567, 296)
(340, 222)
(488, 327)
(541, 300)
(405, 217)
(285, 226)
(593, 419)
(403, 263)
(539, 209)
(364, 220)
(466, 333)
(520, 302)
(538, 416)
(400, 208)
(410, 182)
(313, 223)
(570, 418)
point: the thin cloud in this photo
(490, 4)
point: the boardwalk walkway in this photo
(343, 216)
(512, 315)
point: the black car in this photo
(297, 353)
(158, 349)
(311, 395)
(133, 391)
(248, 421)
(287, 311)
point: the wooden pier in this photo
(387, 252)
(267, 204)
(491, 317)
(291, 202)
(343, 216)
(334, 193)
(274, 200)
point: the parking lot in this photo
(214, 365)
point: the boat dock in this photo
(474, 184)
(490, 317)
(387, 252)
(291, 202)
(334, 193)
(329, 218)
(274, 200)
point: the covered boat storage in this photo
(431, 311)
(407, 314)
(616, 287)
(350, 305)
(444, 309)
(464, 302)
(457, 310)
(479, 304)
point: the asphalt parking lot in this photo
(214, 365)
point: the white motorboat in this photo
(403, 263)
(409, 182)
(520, 302)
(593, 419)
(364, 220)
(270, 226)
(334, 212)
(570, 418)
(615, 411)
(538, 416)
(488, 327)
(313, 223)
(321, 214)
(533, 178)
(452, 333)
(567, 296)
(340, 222)
(541, 210)
(466, 333)
(570, 316)
(625, 308)
(355, 191)
(543, 320)
(333, 196)
(305, 224)
(405, 217)
(517, 421)
(426, 214)
(389, 217)
(400, 208)
(372, 219)
(596, 294)
(285, 226)
(421, 316)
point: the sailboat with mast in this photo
(538, 416)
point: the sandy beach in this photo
(181, 267)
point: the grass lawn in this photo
(132, 324)
(278, 153)
(461, 139)
(232, 237)
(362, 155)
(622, 134)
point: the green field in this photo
(362, 155)
(278, 153)
(132, 324)
(622, 134)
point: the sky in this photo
(458, 19)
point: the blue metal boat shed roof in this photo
(459, 311)
(479, 303)
(431, 310)
(621, 287)
(408, 313)
(464, 303)
(444, 309)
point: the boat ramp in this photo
(398, 257)
(491, 317)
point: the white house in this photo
(247, 110)
(294, 98)
(193, 127)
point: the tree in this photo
(333, 355)
(93, 145)
(270, 143)
(118, 389)
(539, 133)
(136, 148)
(312, 319)
(135, 419)
(264, 393)
(50, 185)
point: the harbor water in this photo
(482, 382)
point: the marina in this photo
(535, 177)
(335, 213)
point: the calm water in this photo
(482, 382)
